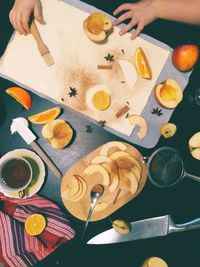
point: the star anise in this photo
(89, 129)
(102, 123)
(109, 57)
(157, 111)
(72, 92)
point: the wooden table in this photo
(181, 202)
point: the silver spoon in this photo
(95, 194)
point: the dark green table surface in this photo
(181, 201)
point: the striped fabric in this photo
(17, 248)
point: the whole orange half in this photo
(21, 95)
(45, 116)
(142, 65)
(35, 224)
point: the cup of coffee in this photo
(15, 174)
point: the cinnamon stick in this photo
(122, 111)
(104, 67)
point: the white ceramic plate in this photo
(37, 167)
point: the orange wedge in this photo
(21, 95)
(142, 64)
(35, 224)
(45, 116)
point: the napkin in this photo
(19, 249)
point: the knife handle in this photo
(46, 159)
(174, 228)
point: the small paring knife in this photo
(43, 49)
(148, 228)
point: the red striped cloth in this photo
(17, 248)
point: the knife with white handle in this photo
(148, 228)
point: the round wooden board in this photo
(80, 208)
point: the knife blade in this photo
(143, 229)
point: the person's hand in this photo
(20, 14)
(140, 14)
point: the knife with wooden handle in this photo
(42, 47)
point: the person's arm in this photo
(146, 11)
(20, 14)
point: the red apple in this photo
(184, 57)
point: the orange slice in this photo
(142, 64)
(101, 100)
(45, 116)
(21, 95)
(35, 224)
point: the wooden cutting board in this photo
(115, 200)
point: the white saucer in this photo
(37, 167)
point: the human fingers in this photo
(15, 19)
(25, 21)
(38, 12)
(121, 8)
(128, 27)
(123, 17)
(11, 17)
(138, 30)
(19, 24)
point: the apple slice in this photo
(113, 144)
(101, 205)
(97, 27)
(194, 146)
(82, 191)
(101, 159)
(169, 94)
(116, 155)
(112, 170)
(75, 189)
(124, 160)
(72, 188)
(136, 172)
(154, 262)
(168, 130)
(130, 178)
(141, 122)
(129, 72)
(121, 226)
(96, 168)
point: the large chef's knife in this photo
(152, 227)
